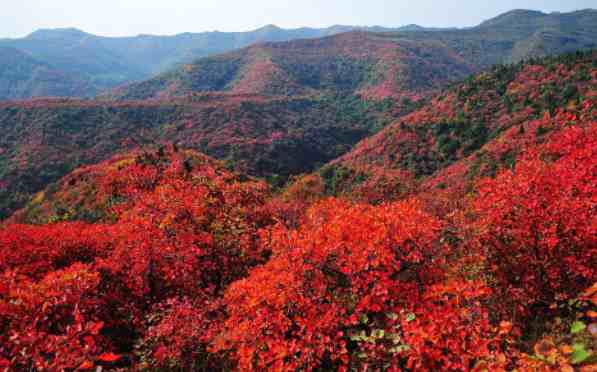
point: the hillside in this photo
(377, 64)
(355, 62)
(274, 109)
(281, 112)
(22, 76)
(270, 137)
(472, 130)
(517, 35)
(90, 193)
(78, 54)
(105, 62)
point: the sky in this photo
(167, 17)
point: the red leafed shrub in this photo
(187, 228)
(449, 329)
(36, 250)
(538, 223)
(337, 289)
(179, 338)
(50, 325)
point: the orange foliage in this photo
(538, 223)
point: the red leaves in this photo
(108, 357)
(322, 280)
(185, 226)
(96, 328)
(37, 250)
(87, 365)
(451, 317)
(538, 223)
(48, 322)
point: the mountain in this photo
(469, 130)
(109, 61)
(379, 64)
(78, 54)
(518, 35)
(272, 110)
(519, 18)
(353, 62)
(22, 76)
(472, 130)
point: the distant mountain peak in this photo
(57, 33)
(269, 28)
(526, 12)
(412, 27)
(513, 16)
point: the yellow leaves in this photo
(481, 366)
(117, 165)
(567, 368)
(591, 290)
(545, 347)
(38, 198)
(591, 294)
(566, 349)
(167, 221)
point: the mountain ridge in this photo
(352, 62)
(108, 62)
(508, 38)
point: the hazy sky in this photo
(132, 17)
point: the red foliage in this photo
(179, 339)
(538, 223)
(450, 329)
(537, 100)
(196, 268)
(338, 289)
(197, 227)
(34, 251)
(50, 324)
(184, 227)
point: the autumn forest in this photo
(366, 200)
